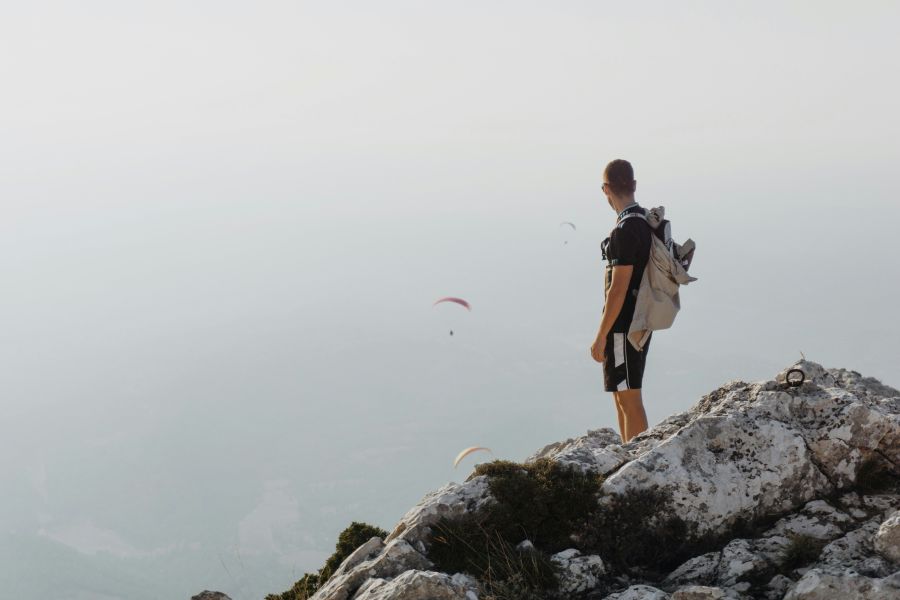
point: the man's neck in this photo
(620, 205)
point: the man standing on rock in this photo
(627, 249)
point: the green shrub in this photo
(543, 501)
(472, 545)
(639, 529)
(351, 538)
(556, 507)
(301, 590)
(800, 551)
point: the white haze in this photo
(224, 225)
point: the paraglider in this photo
(454, 300)
(467, 452)
(570, 224)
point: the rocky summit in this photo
(786, 488)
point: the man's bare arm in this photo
(615, 298)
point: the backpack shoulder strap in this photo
(630, 216)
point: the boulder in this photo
(383, 561)
(887, 538)
(577, 573)
(817, 585)
(419, 585)
(639, 592)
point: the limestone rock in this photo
(699, 570)
(737, 560)
(816, 519)
(396, 557)
(816, 585)
(758, 452)
(751, 450)
(699, 592)
(887, 539)
(599, 451)
(855, 551)
(420, 585)
(639, 592)
(454, 499)
(740, 559)
(777, 587)
(208, 595)
(881, 504)
(577, 574)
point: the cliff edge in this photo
(773, 489)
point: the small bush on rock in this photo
(556, 507)
(640, 530)
(473, 545)
(351, 538)
(801, 551)
(543, 501)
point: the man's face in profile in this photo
(605, 188)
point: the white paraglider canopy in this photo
(467, 452)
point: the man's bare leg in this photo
(620, 414)
(632, 405)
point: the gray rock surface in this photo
(454, 499)
(598, 451)
(816, 585)
(419, 585)
(887, 538)
(577, 573)
(746, 452)
(699, 592)
(383, 561)
(639, 592)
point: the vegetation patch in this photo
(640, 530)
(472, 544)
(351, 538)
(543, 502)
(802, 550)
(557, 507)
(875, 475)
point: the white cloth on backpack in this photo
(657, 301)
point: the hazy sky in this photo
(224, 225)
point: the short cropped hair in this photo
(620, 176)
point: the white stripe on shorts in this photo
(619, 348)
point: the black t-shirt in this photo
(627, 244)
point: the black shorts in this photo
(623, 367)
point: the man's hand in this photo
(598, 349)
(615, 300)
